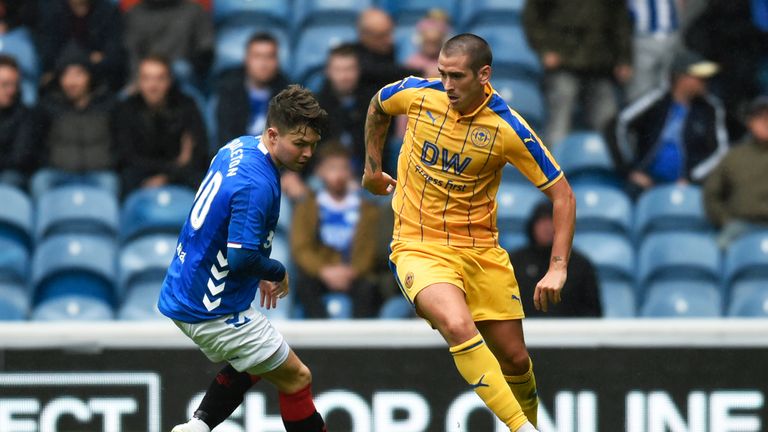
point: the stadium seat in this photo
(514, 206)
(286, 215)
(512, 240)
(15, 216)
(145, 260)
(76, 209)
(231, 43)
(602, 209)
(585, 158)
(411, 11)
(749, 299)
(19, 44)
(28, 92)
(523, 96)
(477, 12)
(512, 175)
(747, 258)
(617, 299)
(313, 44)
(612, 254)
(678, 256)
(406, 42)
(140, 303)
(670, 208)
(314, 80)
(510, 47)
(277, 12)
(14, 262)
(74, 265)
(312, 12)
(155, 210)
(73, 308)
(281, 251)
(338, 306)
(682, 300)
(14, 301)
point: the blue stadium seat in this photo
(510, 47)
(411, 11)
(612, 254)
(277, 12)
(523, 96)
(670, 208)
(14, 301)
(28, 92)
(314, 80)
(140, 303)
(617, 299)
(14, 262)
(18, 43)
(311, 12)
(15, 215)
(281, 251)
(512, 175)
(749, 299)
(231, 43)
(585, 158)
(73, 308)
(406, 42)
(490, 11)
(678, 256)
(76, 209)
(74, 265)
(286, 214)
(602, 209)
(209, 115)
(313, 44)
(155, 210)
(747, 258)
(145, 260)
(338, 306)
(683, 300)
(514, 206)
(512, 240)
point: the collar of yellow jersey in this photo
(488, 95)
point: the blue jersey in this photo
(237, 206)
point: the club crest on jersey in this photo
(480, 136)
(409, 280)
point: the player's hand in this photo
(380, 183)
(271, 291)
(548, 289)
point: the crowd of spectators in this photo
(670, 83)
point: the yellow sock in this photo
(481, 370)
(524, 388)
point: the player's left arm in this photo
(564, 219)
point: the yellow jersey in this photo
(450, 165)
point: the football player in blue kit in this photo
(222, 257)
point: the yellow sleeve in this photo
(524, 150)
(396, 98)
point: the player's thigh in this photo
(445, 307)
(507, 342)
(490, 285)
(291, 376)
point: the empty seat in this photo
(512, 240)
(145, 260)
(490, 11)
(231, 41)
(523, 96)
(683, 300)
(510, 46)
(73, 308)
(602, 209)
(74, 265)
(277, 12)
(140, 303)
(338, 305)
(18, 43)
(747, 258)
(411, 11)
(612, 254)
(749, 299)
(15, 215)
(76, 209)
(14, 301)
(156, 210)
(617, 299)
(14, 262)
(670, 208)
(309, 12)
(406, 42)
(678, 256)
(313, 45)
(514, 204)
(511, 174)
(585, 157)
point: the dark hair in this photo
(161, 59)
(8, 61)
(474, 46)
(295, 107)
(261, 37)
(343, 50)
(332, 149)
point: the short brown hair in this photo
(332, 149)
(296, 107)
(475, 47)
(8, 61)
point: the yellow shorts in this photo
(484, 274)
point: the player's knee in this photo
(457, 330)
(303, 377)
(515, 362)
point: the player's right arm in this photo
(376, 125)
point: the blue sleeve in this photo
(252, 263)
(251, 207)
